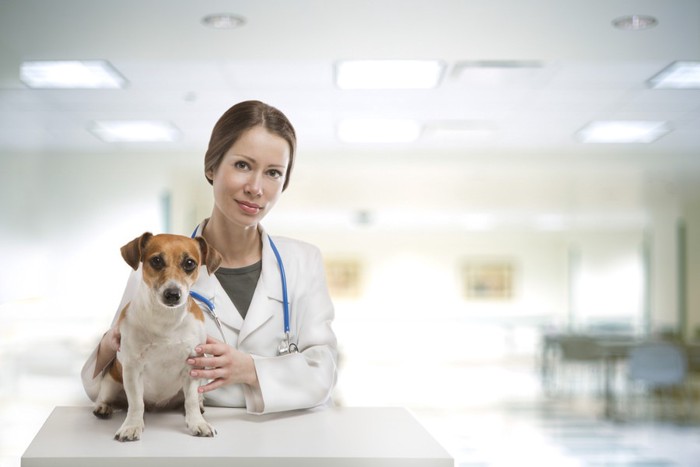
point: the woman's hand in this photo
(223, 365)
(111, 341)
(108, 348)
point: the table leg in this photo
(609, 375)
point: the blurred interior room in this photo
(506, 194)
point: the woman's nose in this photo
(254, 185)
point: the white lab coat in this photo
(295, 381)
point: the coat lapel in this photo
(210, 287)
(267, 299)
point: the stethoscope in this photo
(286, 345)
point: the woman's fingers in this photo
(211, 340)
(211, 347)
(209, 373)
(209, 367)
(215, 384)
(221, 364)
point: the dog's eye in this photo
(189, 265)
(157, 262)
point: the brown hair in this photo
(240, 118)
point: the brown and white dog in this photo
(160, 327)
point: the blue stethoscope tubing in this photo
(283, 279)
(286, 346)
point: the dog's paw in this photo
(201, 428)
(129, 432)
(103, 411)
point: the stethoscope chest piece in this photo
(286, 346)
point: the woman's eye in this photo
(241, 165)
(274, 173)
(189, 265)
(156, 262)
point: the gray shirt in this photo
(239, 284)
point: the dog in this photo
(160, 327)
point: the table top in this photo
(347, 436)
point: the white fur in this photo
(156, 341)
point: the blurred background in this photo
(506, 193)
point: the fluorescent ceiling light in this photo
(493, 73)
(70, 74)
(223, 21)
(623, 131)
(374, 130)
(388, 74)
(461, 131)
(467, 65)
(635, 22)
(135, 131)
(678, 75)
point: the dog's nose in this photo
(172, 295)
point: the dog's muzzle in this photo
(172, 296)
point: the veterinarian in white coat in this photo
(248, 163)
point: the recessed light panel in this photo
(622, 131)
(388, 74)
(223, 21)
(70, 74)
(678, 75)
(635, 22)
(374, 130)
(460, 131)
(495, 73)
(135, 131)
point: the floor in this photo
(557, 435)
(489, 414)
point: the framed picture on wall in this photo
(488, 279)
(343, 277)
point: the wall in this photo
(552, 262)
(692, 268)
(64, 217)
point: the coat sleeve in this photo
(90, 371)
(307, 378)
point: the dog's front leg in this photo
(133, 425)
(194, 419)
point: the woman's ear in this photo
(210, 175)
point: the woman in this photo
(248, 164)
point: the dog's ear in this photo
(131, 252)
(210, 257)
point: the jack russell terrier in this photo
(160, 327)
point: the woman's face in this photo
(248, 181)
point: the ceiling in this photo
(582, 69)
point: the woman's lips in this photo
(249, 208)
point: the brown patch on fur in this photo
(122, 314)
(195, 310)
(115, 371)
(132, 252)
(210, 256)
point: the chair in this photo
(693, 352)
(660, 367)
(581, 360)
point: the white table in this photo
(381, 437)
